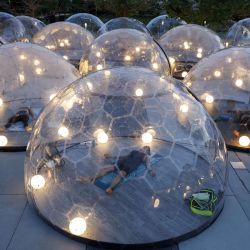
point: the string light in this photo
(3, 141)
(147, 137)
(127, 58)
(139, 92)
(101, 136)
(66, 57)
(52, 96)
(37, 181)
(137, 49)
(155, 66)
(244, 141)
(99, 67)
(1, 101)
(209, 99)
(238, 82)
(39, 71)
(36, 62)
(184, 108)
(77, 226)
(217, 73)
(184, 73)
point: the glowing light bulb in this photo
(209, 99)
(77, 226)
(188, 84)
(244, 141)
(61, 44)
(137, 49)
(238, 82)
(3, 141)
(155, 66)
(39, 71)
(52, 96)
(63, 131)
(90, 85)
(139, 92)
(199, 55)
(229, 59)
(171, 60)
(147, 137)
(217, 73)
(98, 54)
(37, 181)
(36, 62)
(99, 67)
(199, 50)
(156, 203)
(66, 57)
(186, 45)
(226, 44)
(85, 25)
(101, 136)
(184, 108)
(1, 101)
(21, 77)
(184, 73)
(107, 73)
(23, 57)
(127, 58)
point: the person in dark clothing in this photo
(22, 115)
(126, 164)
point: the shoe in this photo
(109, 191)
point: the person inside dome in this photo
(22, 115)
(126, 164)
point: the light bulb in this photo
(101, 136)
(98, 54)
(37, 181)
(226, 44)
(137, 49)
(147, 137)
(52, 96)
(209, 99)
(217, 73)
(1, 101)
(156, 203)
(188, 84)
(23, 57)
(107, 73)
(3, 140)
(238, 82)
(184, 73)
(171, 60)
(99, 67)
(36, 62)
(184, 108)
(77, 226)
(199, 50)
(90, 85)
(21, 77)
(244, 141)
(139, 92)
(155, 66)
(61, 44)
(66, 57)
(63, 131)
(186, 45)
(199, 55)
(127, 58)
(39, 71)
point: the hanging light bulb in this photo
(147, 137)
(238, 82)
(36, 62)
(37, 181)
(63, 131)
(184, 108)
(101, 136)
(52, 96)
(244, 141)
(139, 92)
(217, 73)
(77, 226)
(99, 67)
(184, 73)
(155, 66)
(127, 58)
(66, 57)
(209, 99)
(3, 141)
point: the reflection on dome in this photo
(124, 47)
(29, 74)
(185, 45)
(123, 23)
(69, 40)
(222, 82)
(31, 25)
(87, 21)
(239, 33)
(161, 24)
(11, 29)
(112, 160)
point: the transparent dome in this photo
(88, 21)
(66, 39)
(29, 76)
(123, 47)
(239, 33)
(31, 25)
(123, 23)
(222, 82)
(161, 24)
(11, 29)
(114, 159)
(187, 44)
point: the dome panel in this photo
(185, 45)
(161, 24)
(222, 82)
(116, 167)
(29, 76)
(124, 47)
(87, 21)
(69, 40)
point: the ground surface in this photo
(21, 228)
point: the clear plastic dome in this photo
(161, 24)
(113, 159)
(29, 76)
(123, 23)
(31, 25)
(185, 45)
(88, 21)
(239, 33)
(222, 82)
(66, 39)
(11, 29)
(123, 47)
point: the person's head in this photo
(146, 149)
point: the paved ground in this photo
(21, 228)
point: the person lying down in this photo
(125, 164)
